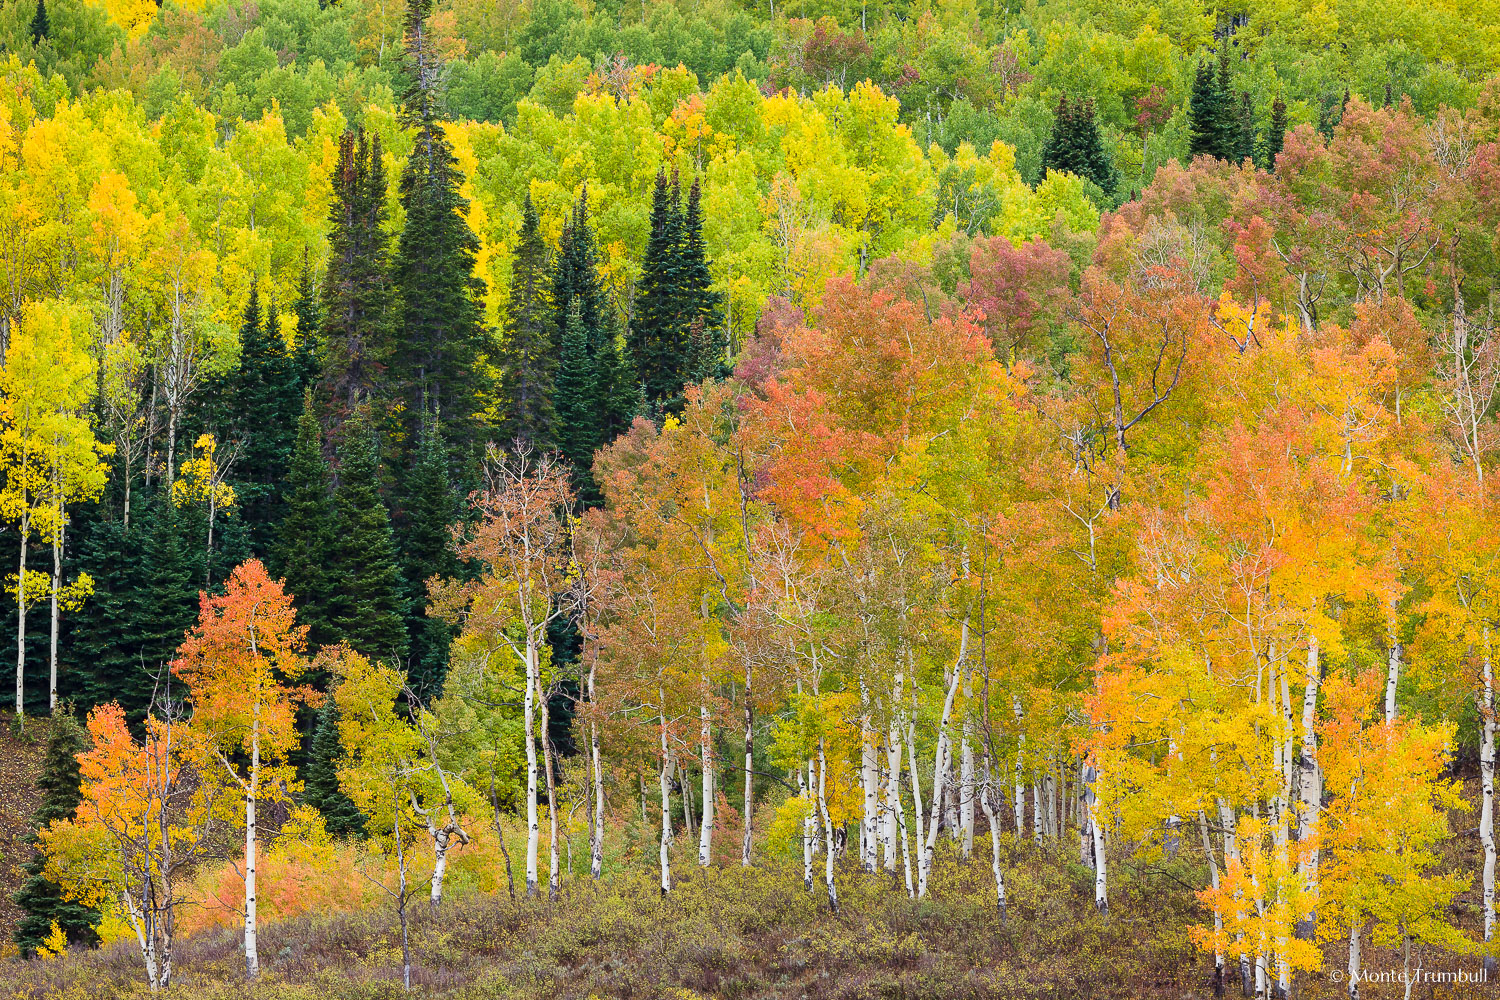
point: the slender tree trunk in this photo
(596, 838)
(21, 617)
(1487, 783)
(554, 884)
(1392, 674)
(1311, 791)
(749, 817)
(869, 781)
(805, 789)
(666, 796)
(833, 892)
(916, 791)
(893, 790)
(1213, 883)
(528, 711)
(57, 546)
(706, 830)
(252, 793)
(1231, 858)
(994, 824)
(1354, 959)
(940, 767)
(1101, 866)
(966, 788)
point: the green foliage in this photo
(529, 355)
(1076, 147)
(321, 781)
(367, 597)
(305, 543)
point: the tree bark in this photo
(528, 711)
(666, 796)
(1311, 789)
(1487, 783)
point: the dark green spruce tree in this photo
(305, 543)
(266, 400)
(367, 598)
(431, 507)
(437, 367)
(1076, 145)
(358, 312)
(1275, 134)
(700, 303)
(1245, 135)
(596, 394)
(309, 320)
(528, 357)
(41, 900)
(321, 776)
(1212, 116)
(40, 26)
(658, 330)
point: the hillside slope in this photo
(20, 764)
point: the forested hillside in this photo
(996, 474)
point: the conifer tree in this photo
(40, 26)
(528, 357)
(306, 539)
(1245, 136)
(321, 782)
(1212, 117)
(429, 509)
(579, 431)
(701, 304)
(1276, 133)
(357, 307)
(41, 900)
(146, 583)
(305, 358)
(366, 593)
(658, 330)
(437, 366)
(1076, 145)
(266, 402)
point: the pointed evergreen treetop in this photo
(528, 356)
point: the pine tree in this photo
(700, 303)
(1245, 136)
(40, 26)
(1275, 134)
(305, 542)
(577, 396)
(366, 593)
(437, 367)
(305, 359)
(265, 402)
(1206, 113)
(40, 899)
(357, 307)
(321, 777)
(146, 583)
(429, 509)
(528, 358)
(658, 330)
(1076, 145)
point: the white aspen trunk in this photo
(1231, 857)
(554, 881)
(1101, 866)
(916, 788)
(1487, 784)
(57, 543)
(892, 814)
(1085, 839)
(666, 796)
(809, 830)
(940, 768)
(1311, 792)
(1019, 806)
(893, 791)
(1038, 825)
(144, 937)
(1392, 674)
(749, 770)
(252, 793)
(706, 830)
(966, 796)
(833, 893)
(21, 616)
(440, 843)
(994, 823)
(869, 779)
(596, 849)
(1213, 883)
(1354, 959)
(528, 712)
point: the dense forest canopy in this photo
(854, 437)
